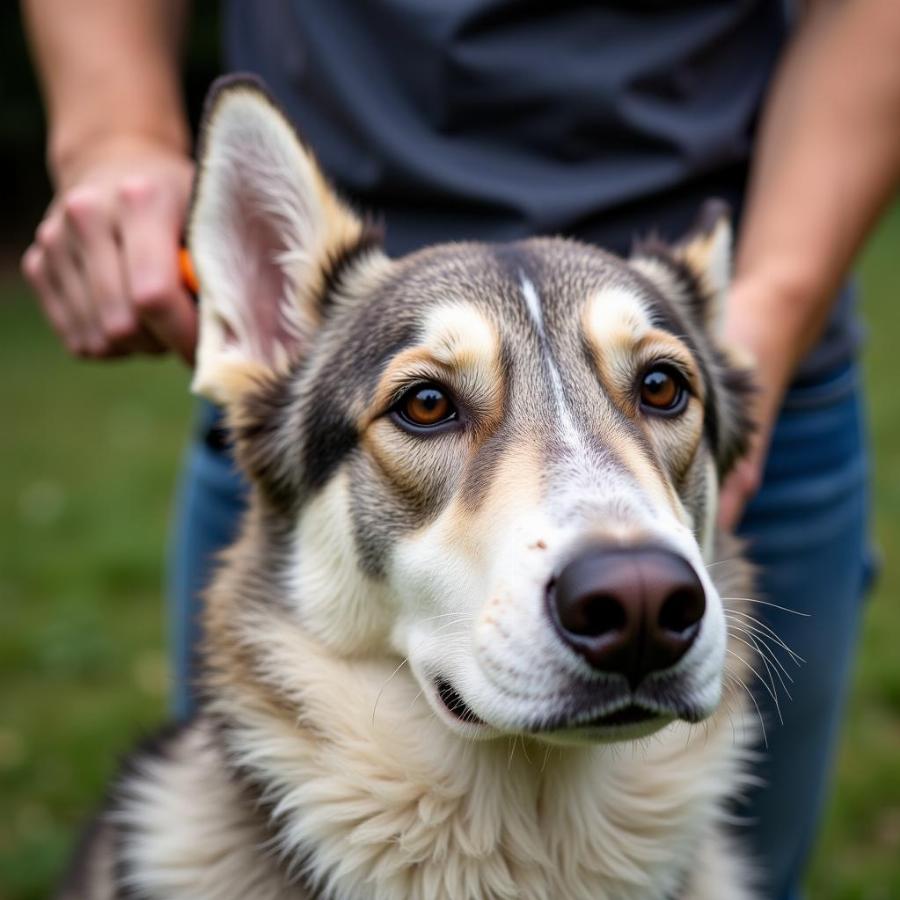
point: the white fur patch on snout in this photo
(522, 671)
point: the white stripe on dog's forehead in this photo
(533, 303)
(570, 433)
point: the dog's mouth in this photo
(620, 721)
(630, 715)
(455, 704)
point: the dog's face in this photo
(497, 462)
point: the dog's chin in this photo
(626, 719)
(606, 730)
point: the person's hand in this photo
(104, 261)
(754, 330)
(744, 480)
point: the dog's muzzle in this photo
(627, 610)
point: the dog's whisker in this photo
(764, 639)
(721, 562)
(759, 714)
(772, 664)
(763, 658)
(767, 641)
(753, 621)
(546, 757)
(447, 615)
(755, 636)
(763, 630)
(415, 700)
(762, 681)
(729, 711)
(768, 667)
(770, 688)
(525, 751)
(381, 690)
(764, 651)
(447, 626)
(786, 609)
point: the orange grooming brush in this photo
(186, 269)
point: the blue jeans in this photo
(807, 530)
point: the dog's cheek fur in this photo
(266, 448)
(698, 491)
(735, 426)
(386, 508)
(339, 603)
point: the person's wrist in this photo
(69, 157)
(750, 331)
(771, 322)
(763, 325)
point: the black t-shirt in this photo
(499, 119)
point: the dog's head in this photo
(498, 461)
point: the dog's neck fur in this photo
(369, 795)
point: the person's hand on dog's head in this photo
(104, 261)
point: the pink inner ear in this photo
(265, 290)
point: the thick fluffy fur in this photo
(379, 565)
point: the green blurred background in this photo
(89, 456)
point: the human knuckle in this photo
(98, 346)
(31, 263)
(750, 480)
(57, 323)
(136, 190)
(77, 347)
(120, 328)
(83, 207)
(150, 298)
(48, 233)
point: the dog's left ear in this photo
(697, 269)
(264, 233)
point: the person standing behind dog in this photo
(483, 121)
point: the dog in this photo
(474, 641)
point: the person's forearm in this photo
(108, 70)
(827, 162)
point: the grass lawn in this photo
(89, 458)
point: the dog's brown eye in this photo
(426, 406)
(663, 390)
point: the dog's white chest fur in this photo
(394, 811)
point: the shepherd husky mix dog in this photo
(463, 645)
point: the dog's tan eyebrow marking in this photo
(456, 339)
(620, 330)
(615, 321)
(459, 335)
(570, 433)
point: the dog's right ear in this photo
(264, 232)
(696, 271)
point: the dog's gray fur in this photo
(374, 561)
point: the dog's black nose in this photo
(631, 610)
